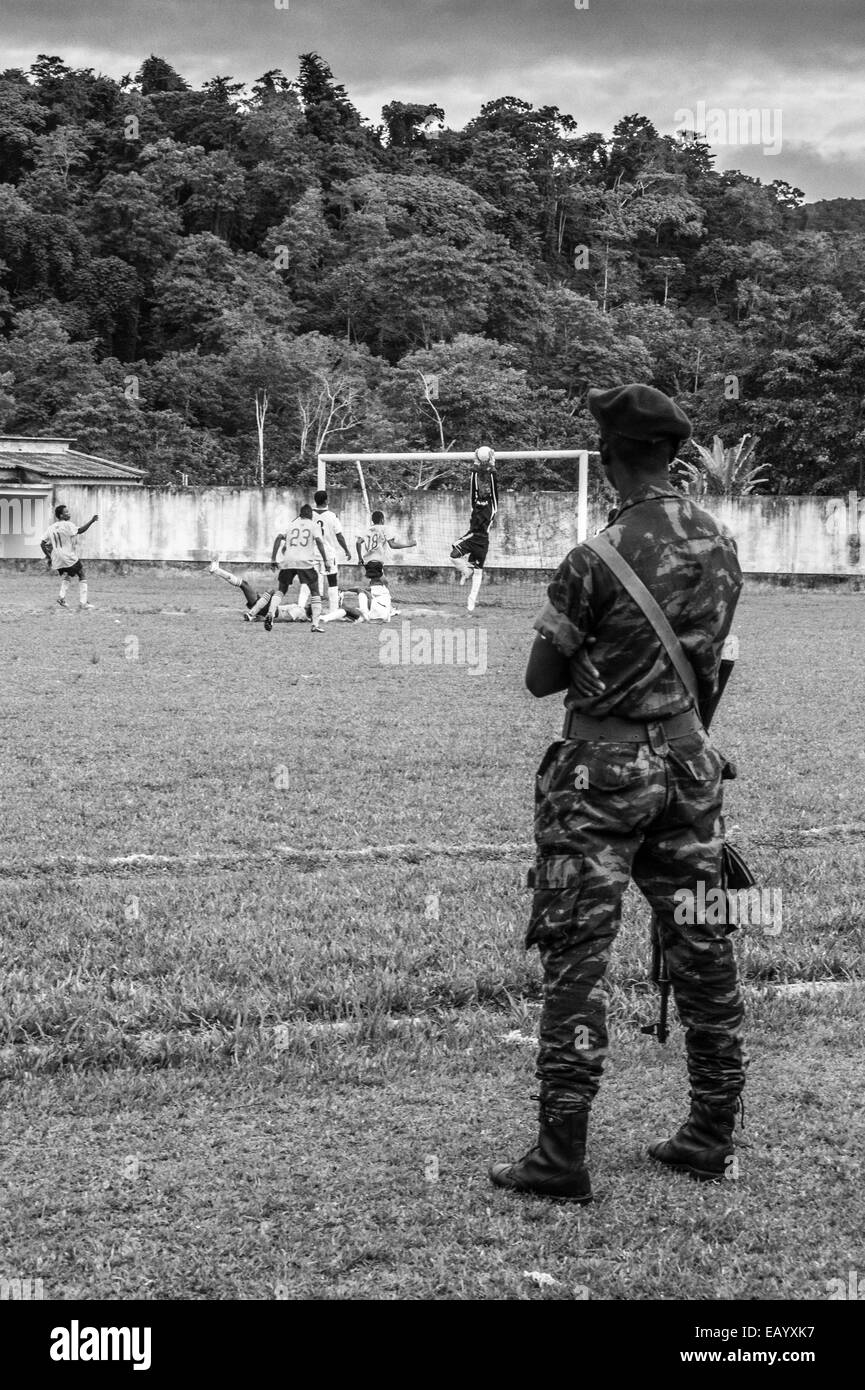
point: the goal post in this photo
(420, 457)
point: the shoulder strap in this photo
(633, 584)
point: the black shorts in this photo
(75, 571)
(308, 577)
(475, 547)
(373, 570)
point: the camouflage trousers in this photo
(606, 813)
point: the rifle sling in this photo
(650, 608)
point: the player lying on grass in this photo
(295, 553)
(470, 551)
(331, 534)
(375, 545)
(60, 547)
(257, 604)
(372, 605)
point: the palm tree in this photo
(724, 471)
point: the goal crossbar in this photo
(460, 458)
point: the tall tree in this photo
(157, 75)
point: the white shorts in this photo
(291, 613)
(326, 568)
(380, 609)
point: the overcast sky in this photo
(804, 59)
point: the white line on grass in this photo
(81, 864)
(852, 828)
(311, 858)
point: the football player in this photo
(331, 534)
(362, 605)
(256, 603)
(470, 551)
(380, 601)
(59, 545)
(295, 553)
(374, 546)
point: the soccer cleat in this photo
(268, 623)
(248, 618)
(214, 565)
(316, 627)
(63, 603)
(85, 606)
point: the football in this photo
(484, 459)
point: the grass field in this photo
(266, 1016)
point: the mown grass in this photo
(307, 1174)
(282, 1041)
(95, 970)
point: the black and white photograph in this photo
(432, 635)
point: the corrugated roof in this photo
(67, 464)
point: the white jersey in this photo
(299, 550)
(375, 545)
(331, 527)
(62, 536)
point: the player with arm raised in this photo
(332, 535)
(470, 551)
(295, 553)
(60, 547)
(375, 545)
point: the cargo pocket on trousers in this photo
(697, 757)
(556, 880)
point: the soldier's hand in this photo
(585, 676)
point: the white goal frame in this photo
(582, 455)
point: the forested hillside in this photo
(166, 254)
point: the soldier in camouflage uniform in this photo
(632, 790)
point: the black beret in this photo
(638, 412)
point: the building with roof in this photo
(25, 459)
(30, 471)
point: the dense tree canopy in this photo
(165, 253)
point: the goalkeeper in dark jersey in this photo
(470, 552)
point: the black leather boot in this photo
(556, 1166)
(704, 1144)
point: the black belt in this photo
(611, 730)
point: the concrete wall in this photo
(25, 515)
(776, 535)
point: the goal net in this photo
(425, 500)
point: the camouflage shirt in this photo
(688, 562)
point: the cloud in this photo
(600, 63)
(818, 174)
